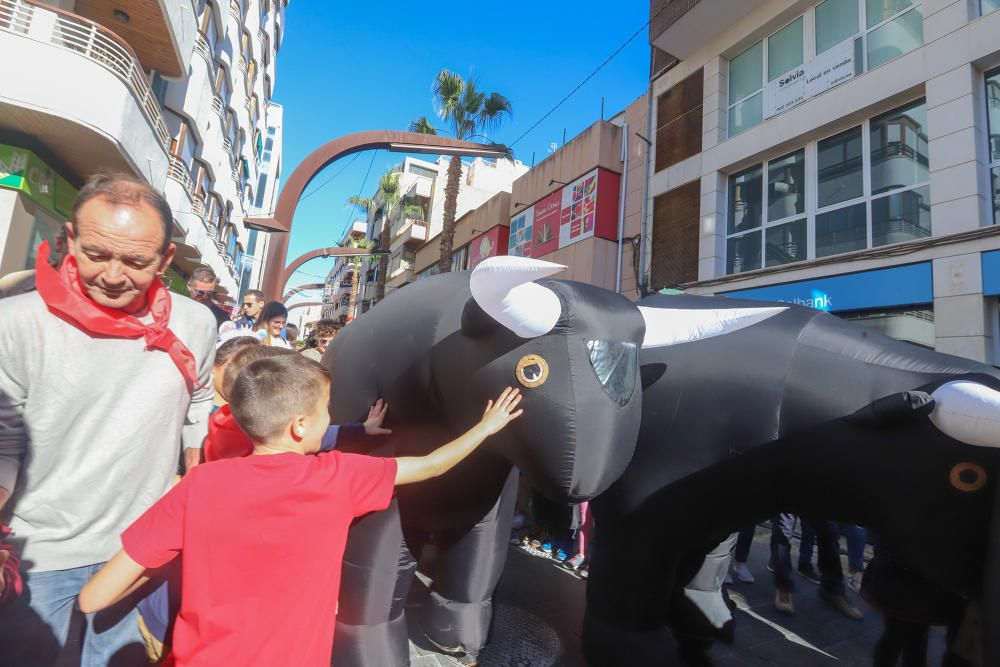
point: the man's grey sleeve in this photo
(13, 395)
(196, 423)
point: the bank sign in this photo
(585, 208)
(22, 170)
(828, 69)
(908, 285)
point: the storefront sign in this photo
(585, 208)
(882, 288)
(991, 273)
(830, 68)
(21, 170)
(488, 244)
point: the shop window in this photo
(678, 116)
(913, 325)
(459, 260)
(675, 236)
(993, 104)
(871, 190)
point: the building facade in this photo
(841, 154)
(177, 93)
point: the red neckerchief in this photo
(62, 293)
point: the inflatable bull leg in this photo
(457, 616)
(378, 569)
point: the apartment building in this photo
(842, 154)
(176, 92)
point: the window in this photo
(881, 30)
(746, 89)
(417, 170)
(159, 86)
(460, 259)
(230, 240)
(221, 87)
(990, 5)
(993, 106)
(678, 119)
(864, 187)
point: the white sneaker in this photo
(742, 572)
(854, 581)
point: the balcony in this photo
(120, 127)
(412, 234)
(401, 275)
(681, 27)
(161, 33)
(202, 49)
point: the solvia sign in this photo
(830, 68)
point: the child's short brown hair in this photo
(269, 392)
(228, 350)
(243, 358)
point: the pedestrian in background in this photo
(253, 303)
(203, 286)
(271, 323)
(326, 331)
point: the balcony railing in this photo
(201, 47)
(177, 170)
(234, 9)
(217, 105)
(91, 41)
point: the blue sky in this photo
(351, 66)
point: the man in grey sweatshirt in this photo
(103, 376)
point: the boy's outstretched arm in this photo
(410, 469)
(119, 577)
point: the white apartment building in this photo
(842, 154)
(337, 292)
(177, 92)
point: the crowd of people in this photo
(121, 546)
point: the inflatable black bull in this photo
(747, 408)
(753, 408)
(437, 354)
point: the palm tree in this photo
(469, 113)
(388, 199)
(355, 262)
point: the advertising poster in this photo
(546, 225)
(578, 217)
(488, 244)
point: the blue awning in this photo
(991, 273)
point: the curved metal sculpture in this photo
(315, 162)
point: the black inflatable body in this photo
(798, 412)
(746, 409)
(437, 357)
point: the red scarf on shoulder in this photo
(62, 293)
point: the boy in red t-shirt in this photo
(262, 538)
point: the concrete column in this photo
(715, 102)
(944, 16)
(963, 322)
(712, 227)
(959, 177)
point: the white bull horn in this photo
(969, 412)
(503, 287)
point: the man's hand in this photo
(192, 458)
(373, 425)
(498, 415)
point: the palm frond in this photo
(421, 126)
(363, 204)
(495, 106)
(508, 152)
(447, 88)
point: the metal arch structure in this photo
(301, 288)
(304, 304)
(391, 140)
(335, 251)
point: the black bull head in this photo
(718, 378)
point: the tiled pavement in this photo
(539, 612)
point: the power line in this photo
(590, 76)
(351, 214)
(331, 179)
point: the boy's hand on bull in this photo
(373, 425)
(500, 413)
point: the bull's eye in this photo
(967, 477)
(532, 371)
(615, 365)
